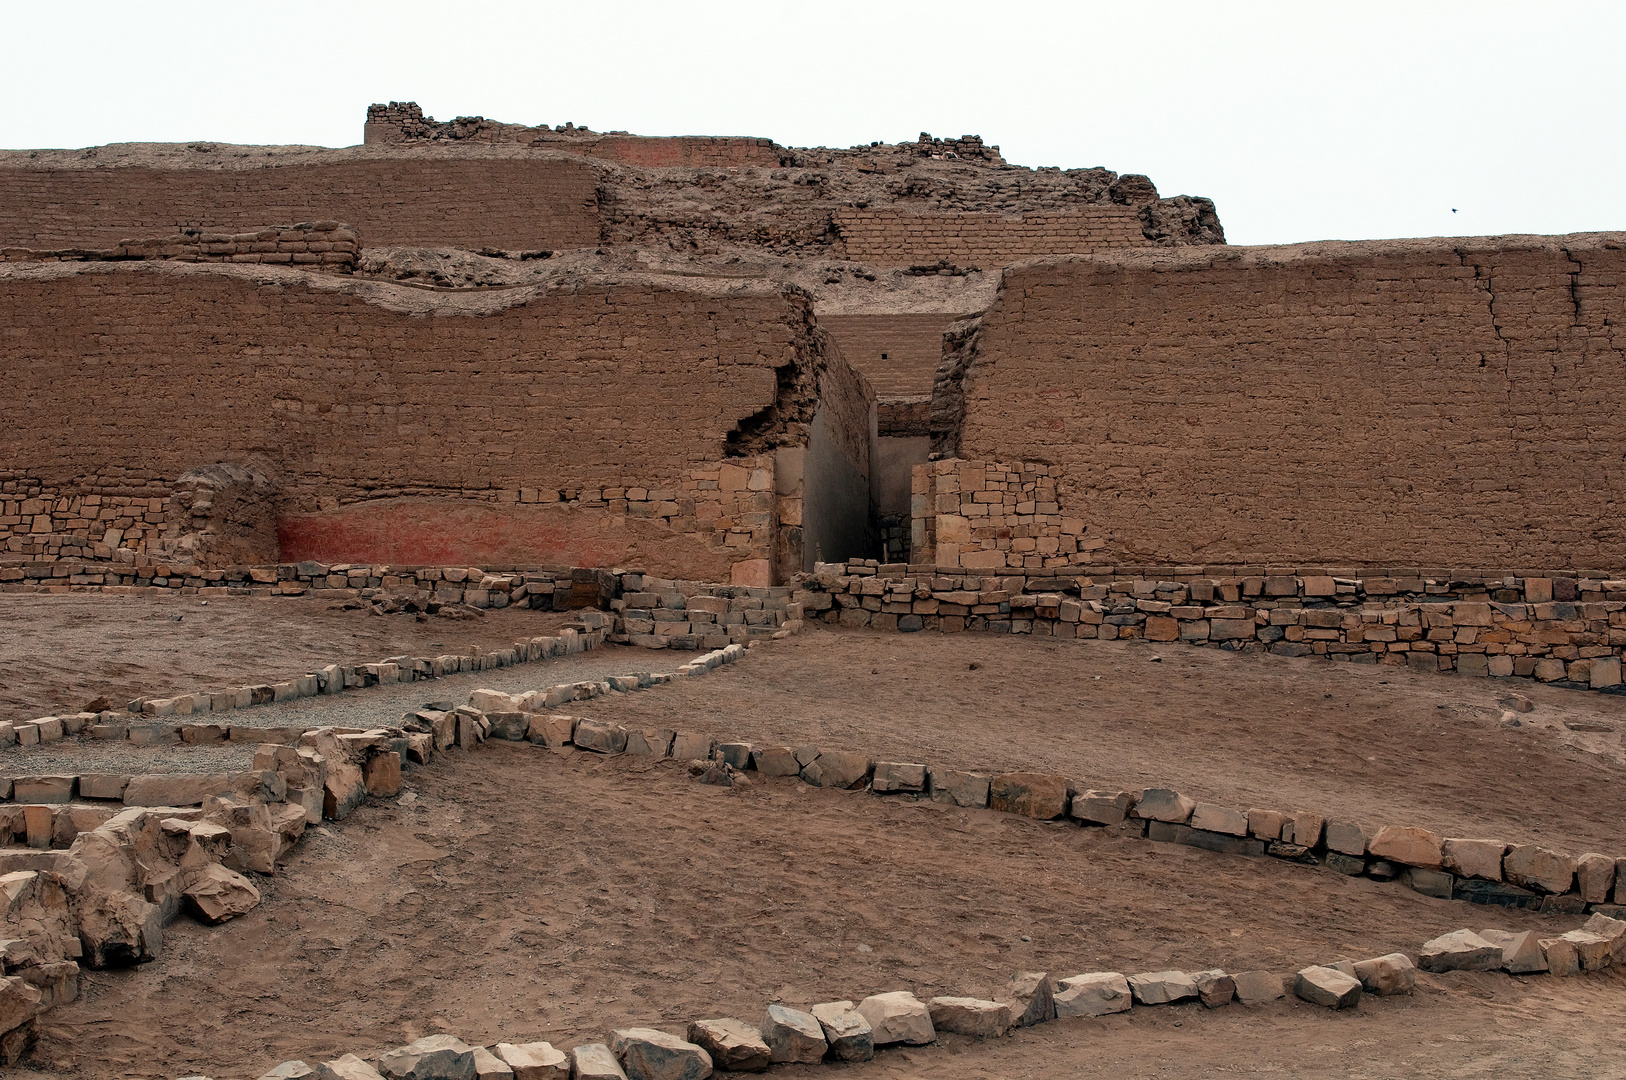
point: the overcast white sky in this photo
(1302, 121)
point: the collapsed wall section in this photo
(585, 424)
(1431, 402)
(895, 237)
(470, 202)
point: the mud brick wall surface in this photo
(1432, 402)
(471, 203)
(898, 354)
(898, 238)
(388, 416)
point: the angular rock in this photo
(600, 736)
(1035, 795)
(349, 1067)
(433, 1057)
(838, 769)
(534, 1061)
(18, 1002)
(1410, 846)
(690, 747)
(734, 1045)
(1591, 950)
(1436, 883)
(1351, 865)
(969, 1016)
(1473, 858)
(1612, 929)
(650, 1054)
(1214, 987)
(1162, 987)
(1386, 975)
(1533, 867)
(1258, 987)
(897, 776)
(958, 788)
(1164, 804)
(551, 729)
(1561, 956)
(117, 929)
(510, 726)
(595, 1062)
(650, 742)
(1094, 994)
(898, 1017)
(1346, 838)
(1303, 828)
(1594, 877)
(174, 789)
(1460, 950)
(44, 789)
(289, 1070)
(382, 774)
(1174, 833)
(1327, 986)
(1521, 953)
(775, 761)
(1031, 998)
(490, 701)
(1212, 817)
(1266, 824)
(1498, 893)
(845, 1029)
(793, 1036)
(1101, 807)
(218, 894)
(488, 1066)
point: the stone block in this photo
(690, 747)
(1346, 838)
(348, 1067)
(734, 1045)
(381, 772)
(1473, 858)
(1101, 807)
(488, 1066)
(1498, 893)
(1258, 987)
(1351, 865)
(1167, 833)
(1162, 987)
(1094, 994)
(44, 789)
(1561, 956)
(898, 1017)
(1385, 975)
(1031, 998)
(509, 726)
(1591, 950)
(1327, 986)
(217, 894)
(736, 755)
(1407, 845)
(1214, 987)
(595, 1062)
(551, 729)
(1266, 824)
(1303, 829)
(793, 1036)
(1594, 877)
(1521, 952)
(1212, 817)
(1435, 883)
(174, 789)
(650, 742)
(839, 769)
(1532, 867)
(775, 761)
(1164, 804)
(896, 776)
(600, 736)
(1460, 950)
(102, 786)
(650, 1054)
(958, 788)
(845, 1030)
(969, 1016)
(1035, 795)
(433, 1057)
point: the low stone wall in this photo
(321, 245)
(1561, 630)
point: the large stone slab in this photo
(535, 1060)
(845, 1029)
(1533, 867)
(182, 789)
(898, 1017)
(1407, 845)
(775, 761)
(433, 1057)
(1035, 795)
(1258, 987)
(1214, 987)
(958, 788)
(839, 769)
(898, 776)
(1101, 807)
(1594, 877)
(1393, 973)
(969, 1016)
(1212, 817)
(1521, 952)
(1460, 950)
(551, 729)
(488, 1066)
(734, 1045)
(595, 1062)
(650, 1054)
(1162, 987)
(1094, 994)
(348, 1067)
(650, 742)
(1327, 986)
(1473, 858)
(1164, 804)
(218, 894)
(793, 1036)
(1031, 997)
(1224, 843)
(600, 736)
(1346, 838)
(44, 789)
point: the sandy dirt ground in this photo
(1376, 745)
(522, 893)
(58, 653)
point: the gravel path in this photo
(373, 706)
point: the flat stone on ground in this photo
(650, 1054)
(1096, 993)
(958, 788)
(1410, 846)
(1214, 987)
(793, 1036)
(734, 1045)
(969, 1016)
(898, 1017)
(1393, 973)
(535, 1060)
(1258, 987)
(1327, 986)
(1035, 795)
(1162, 987)
(1460, 950)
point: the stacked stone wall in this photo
(888, 237)
(1429, 402)
(584, 425)
(324, 245)
(541, 203)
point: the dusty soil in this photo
(522, 893)
(1374, 745)
(59, 652)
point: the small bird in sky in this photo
(1453, 209)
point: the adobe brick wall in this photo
(583, 425)
(898, 353)
(510, 203)
(1436, 402)
(327, 245)
(889, 237)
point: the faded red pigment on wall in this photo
(1433, 403)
